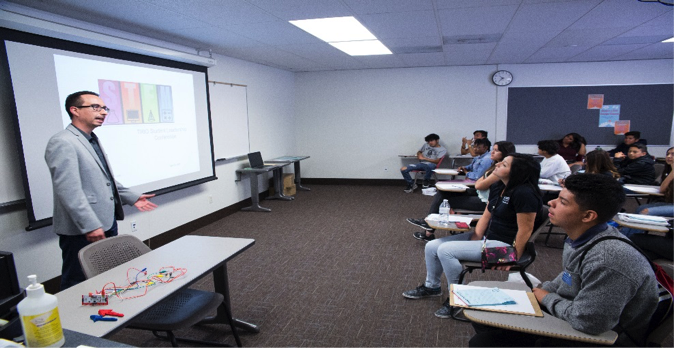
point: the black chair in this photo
(184, 309)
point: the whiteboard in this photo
(229, 120)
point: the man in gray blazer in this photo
(87, 199)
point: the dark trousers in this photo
(71, 271)
(488, 336)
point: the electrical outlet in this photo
(134, 226)
(210, 199)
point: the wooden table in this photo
(200, 255)
(548, 325)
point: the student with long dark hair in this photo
(508, 219)
(572, 148)
(472, 199)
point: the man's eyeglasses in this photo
(96, 107)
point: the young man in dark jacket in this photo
(638, 167)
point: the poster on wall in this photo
(608, 115)
(595, 101)
(621, 127)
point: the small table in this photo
(453, 186)
(641, 226)
(201, 255)
(253, 173)
(548, 325)
(644, 189)
(550, 188)
(295, 160)
(459, 157)
(451, 227)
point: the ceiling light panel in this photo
(335, 29)
(362, 48)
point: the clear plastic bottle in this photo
(444, 213)
(40, 319)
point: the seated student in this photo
(468, 145)
(664, 207)
(481, 161)
(514, 202)
(613, 289)
(572, 148)
(630, 138)
(430, 154)
(472, 199)
(553, 166)
(598, 162)
(638, 168)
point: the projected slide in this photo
(150, 144)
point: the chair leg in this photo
(235, 333)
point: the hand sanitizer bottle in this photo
(40, 319)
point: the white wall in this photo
(356, 123)
(270, 112)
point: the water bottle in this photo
(598, 148)
(444, 213)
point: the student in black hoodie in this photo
(638, 167)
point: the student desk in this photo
(200, 255)
(454, 186)
(550, 188)
(644, 189)
(449, 227)
(252, 174)
(640, 226)
(548, 325)
(295, 160)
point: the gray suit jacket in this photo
(83, 193)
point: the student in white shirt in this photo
(553, 166)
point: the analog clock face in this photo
(502, 78)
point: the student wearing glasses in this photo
(87, 199)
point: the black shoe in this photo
(420, 223)
(426, 184)
(411, 188)
(445, 311)
(422, 292)
(422, 236)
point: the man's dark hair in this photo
(483, 132)
(483, 141)
(432, 136)
(635, 134)
(524, 170)
(640, 146)
(597, 192)
(75, 100)
(549, 146)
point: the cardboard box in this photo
(289, 187)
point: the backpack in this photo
(665, 285)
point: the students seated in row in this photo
(665, 207)
(473, 199)
(621, 150)
(599, 162)
(430, 154)
(468, 145)
(508, 219)
(613, 289)
(638, 168)
(553, 166)
(572, 148)
(481, 160)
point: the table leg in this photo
(278, 186)
(255, 195)
(221, 283)
(298, 178)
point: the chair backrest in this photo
(575, 168)
(108, 253)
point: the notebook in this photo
(255, 159)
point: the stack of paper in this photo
(643, 219)
(484, 297)
(452, 218)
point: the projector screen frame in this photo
(81, 48)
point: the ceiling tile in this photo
(605, 52)
(445, 4)
(476, 21)
(423, 59)
(401, 24)
(303, 9)
(468, 54)
(550, 15)
(583, 37)
(382, 61)
(611, 14)
(555, 54)
(654, 51)
(217, 12)
(274, 33)
(388, 6)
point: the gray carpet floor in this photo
(328, 270)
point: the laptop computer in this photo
(255, 159)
